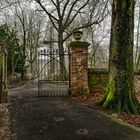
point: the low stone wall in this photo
(98, 79)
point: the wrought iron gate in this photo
(53, 73)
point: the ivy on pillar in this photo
(3, 73)
(79, 65)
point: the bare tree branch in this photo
(12, 3)
(45, 10)
(64, 9)
(82, 27)
(68, 23)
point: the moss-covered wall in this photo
(97, 78)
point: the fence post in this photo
(3, 73)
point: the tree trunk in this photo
(120, 92)
(31, 65)
(61, 56)
(22, 72)
(23, 56)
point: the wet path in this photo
(50, 118)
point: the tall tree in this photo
(20, 13)
(29, 26)
(21, 16)
(63, 13)
(34, 29)
(120, 92)
(9, 38)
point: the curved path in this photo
(50, 118)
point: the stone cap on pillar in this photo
(79, 44)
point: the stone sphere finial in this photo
(78, 34)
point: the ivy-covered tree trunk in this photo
(120, 93)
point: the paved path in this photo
(50, 118)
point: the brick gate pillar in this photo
(79, 68)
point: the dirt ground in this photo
(33, 118)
